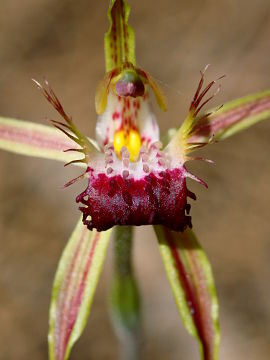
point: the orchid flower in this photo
(135, 177)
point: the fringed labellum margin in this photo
(154, 198)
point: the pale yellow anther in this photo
(132, 141)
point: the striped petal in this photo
(234, 116)
(120, 39)
(74, 287)
(190, 276)
(36, 140)
(218, 124)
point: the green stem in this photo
(124, 299)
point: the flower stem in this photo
(124, 296)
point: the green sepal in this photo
(119, 42)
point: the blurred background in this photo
(63, 40)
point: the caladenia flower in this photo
(133, 179)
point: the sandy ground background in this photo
(175, 39)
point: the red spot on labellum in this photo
(116, 115)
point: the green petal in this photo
(36, 140)
(218, 124)
(191, 279)
(232, 117)
(120, 39)
(74, 287)
(158, 92)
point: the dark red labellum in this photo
(153, 199)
